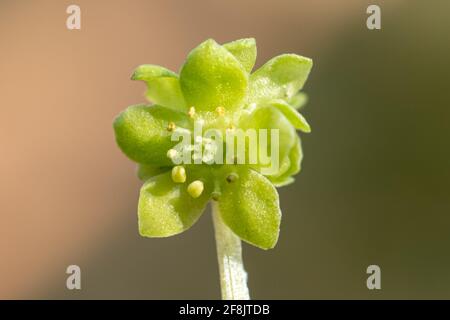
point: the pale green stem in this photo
(233, 278)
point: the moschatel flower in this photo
(215, 88)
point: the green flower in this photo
(215, 86)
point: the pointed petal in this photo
(213, 77)
(147, 72)
(280, 78)
(245, 52)
(163, 86)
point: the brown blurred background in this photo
(375, 186)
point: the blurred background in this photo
(375, 185)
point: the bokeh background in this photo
(375, 185)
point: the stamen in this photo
(178, 174)
(195, 189)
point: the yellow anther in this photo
(220, 111)
(171, 126)
(191, 112)
(178, 174)
(195, 189)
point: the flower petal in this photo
(165, 207)
(163, 86)
(245, 52)
(166, 92)
(249, 206)
(284, 182)
(280, 78)
(299, 100)
(142, 132)
(268, 117)
(147, 72)
(295, 159)
(297, 120)
(213, 77)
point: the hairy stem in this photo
(233, 278)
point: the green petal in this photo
(163, 86)
(146, 171)
(245, 52)
(166, 92)
(297, 120)
(267, 117)
(295, 159)
(165, 208)
(280, 78)
(249, 206)
(285, 165)
(213, 77)
(299, 100)
(142, 134)
(284, 182)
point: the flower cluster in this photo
(216, 88)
